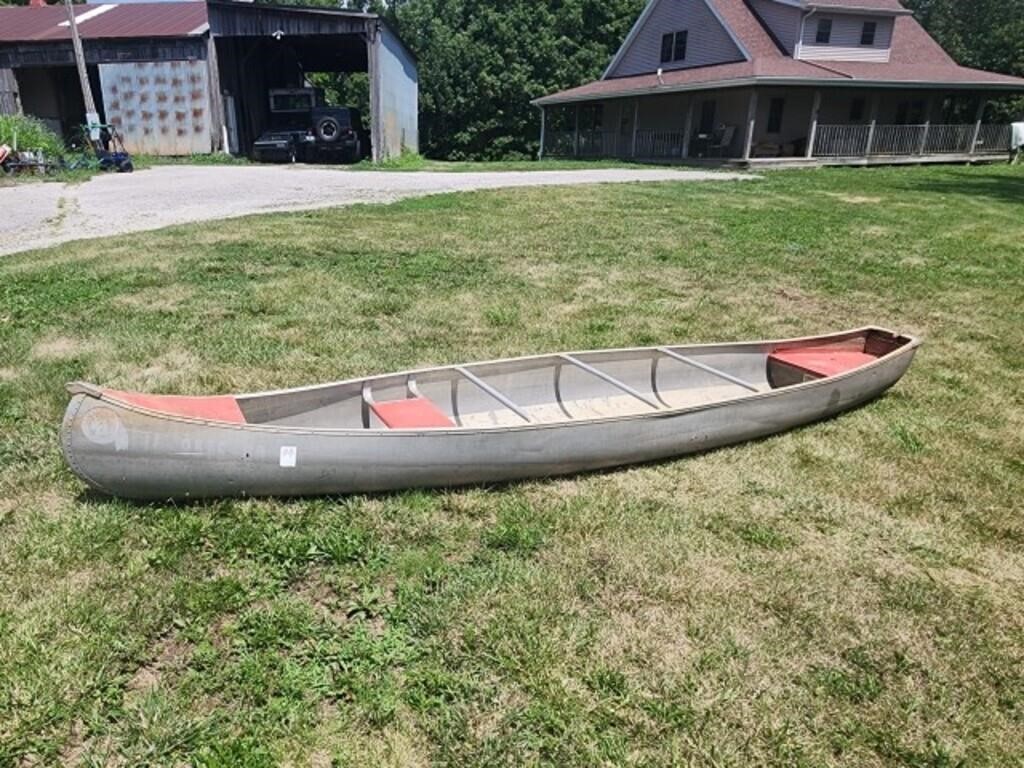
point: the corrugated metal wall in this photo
(396, 83)
(707, 43)
(160, 108)
(782, 20)
(845, 43)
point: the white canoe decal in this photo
(289, 455)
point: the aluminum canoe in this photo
(489, 422)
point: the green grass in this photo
(415, 162)
(216, 158)
(405, 163)
(844, 594)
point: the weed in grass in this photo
(764, 536)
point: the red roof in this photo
(745, 25)
(916, 59)
(103, 21)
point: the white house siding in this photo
(782, 20)
(845, 43)
(708, 41)
(159, 108)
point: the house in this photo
(179, 78)
(779, 81)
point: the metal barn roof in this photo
(103, 21)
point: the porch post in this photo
(982, 103)
(688, 127)
(748, 141)
(543, 131)
(812, 129)
(927, 126)
(636, 123)
(576, 134)
(874, 122)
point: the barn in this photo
(181, 78)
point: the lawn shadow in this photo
(1001, 188)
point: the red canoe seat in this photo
(216, 408)
(412, 413)
(822, 361)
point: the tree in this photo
(984, 34)
(482, 61)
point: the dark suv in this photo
(304, 128)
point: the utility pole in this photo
(92, 117)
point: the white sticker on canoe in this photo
(289, 455)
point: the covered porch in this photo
(778, 126)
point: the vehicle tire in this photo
(327, 129)
(125, 166)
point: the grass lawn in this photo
(845, 594)
(414, 162)
(406, 163)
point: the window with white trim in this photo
(868, 32)
(824, 33)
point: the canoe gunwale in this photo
(830, 337)
(90, 390)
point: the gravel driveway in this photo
(39, 215)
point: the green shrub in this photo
(28, 133)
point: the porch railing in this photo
(585, 144)
(910, 140)
(836, 141)
(652, 144)
(649, 144)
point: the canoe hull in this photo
(136, 454)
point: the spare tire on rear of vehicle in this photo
(327, 129)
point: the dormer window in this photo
(673, 46)
(855, 37)
(867, 33)
(824, 36)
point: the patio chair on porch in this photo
(721, 140)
